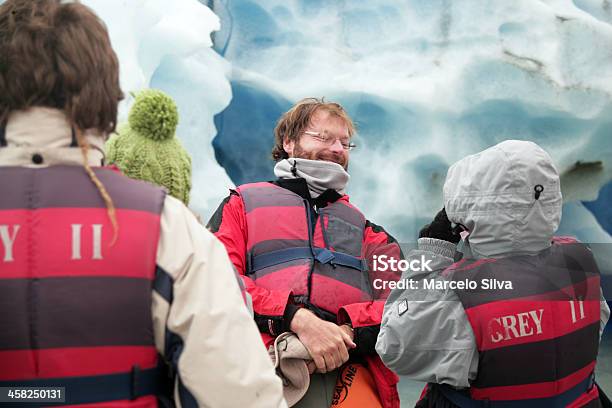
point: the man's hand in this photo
(326, 342)
(348, 330)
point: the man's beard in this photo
(300, 153)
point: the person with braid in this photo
(109, 287)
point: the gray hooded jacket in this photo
(425, 333)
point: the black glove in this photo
(441, 228)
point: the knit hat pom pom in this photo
(154, 115)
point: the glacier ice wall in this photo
(169, 48)
(428, 82)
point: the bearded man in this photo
(305, 252)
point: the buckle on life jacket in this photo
(324, 255)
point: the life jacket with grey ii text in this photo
(538, 341)
(316, 256)
(80, 310)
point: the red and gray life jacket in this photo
(538, 341)
(317, 256)
(76, 312)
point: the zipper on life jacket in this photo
(324, 233)
(315, 215)
(318, 216)
(309, 220)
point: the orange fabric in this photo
(355, 389)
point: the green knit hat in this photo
(146, 147)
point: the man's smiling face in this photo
(325, 138)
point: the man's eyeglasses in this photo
(330, 140)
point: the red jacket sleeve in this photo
(377, 242)
(230, 227)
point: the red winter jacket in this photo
(274, 308)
